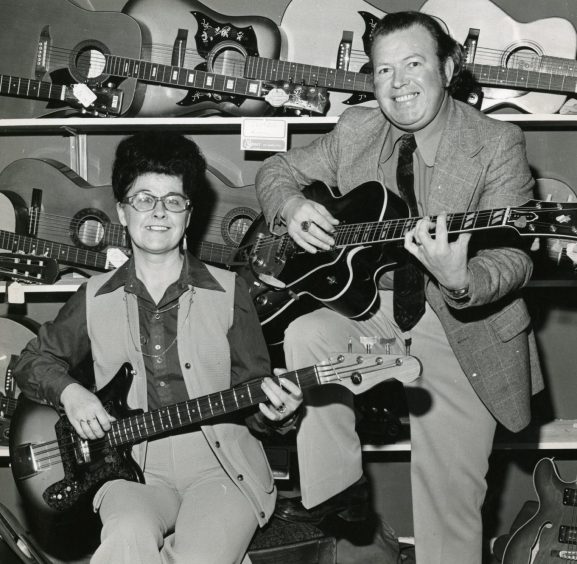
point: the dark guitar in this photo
(51, 39)
(56, 471)
(286, 281)
(550, 536)
(104, 101)
(15, 335)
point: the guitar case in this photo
(16, 545)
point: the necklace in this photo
(157, 312)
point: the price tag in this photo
(263, 134)
(15, 292)
(84, 95)
(115, 258)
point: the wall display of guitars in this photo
(536, 59)
(285, 281)
(49, 211)
(98, 61)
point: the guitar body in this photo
(72, 211)
(15, 336)
(72, 481)
(551, 534)
(73, 38)
(344, 280)
(311, 41)
(502, 39)
(210, 42)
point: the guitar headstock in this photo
(28, 268)
(102, 101)
(360, 372)
(538, 218)
(298, 97)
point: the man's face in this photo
(407, 80)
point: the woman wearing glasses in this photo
(188, 330)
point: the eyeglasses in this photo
(143, 202)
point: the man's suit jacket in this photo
(480, 164)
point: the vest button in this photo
(262, 514)
(187, 365)
(240, 477)
(217, 444)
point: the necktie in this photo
(408, 281)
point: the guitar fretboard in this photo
(178, 76)
(66, 254)
(140, 427)
(29, 88)
(271, 69)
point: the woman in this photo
(188, 329)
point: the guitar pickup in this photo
(23, 462)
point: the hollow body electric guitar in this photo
(285, 281)
(56, 471)
(549, 536)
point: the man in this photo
(473, 335)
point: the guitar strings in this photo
(49, 453)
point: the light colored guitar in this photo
(533, 46)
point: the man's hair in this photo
(160, 152)
(447, 47)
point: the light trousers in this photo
(451, 430)
(188, 512)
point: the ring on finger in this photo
(281, 408)
(305, 225)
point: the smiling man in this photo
(456, 300)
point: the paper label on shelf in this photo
(263, 134)
(83, 94)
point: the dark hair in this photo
(160, 152)
(447, 47)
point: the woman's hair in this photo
(160, 152)
(447, 47)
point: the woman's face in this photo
(157, 231)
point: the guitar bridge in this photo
(82, 451)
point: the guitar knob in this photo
(262, 300)
(356, 378)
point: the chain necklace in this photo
(157, 312)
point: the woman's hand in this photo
(284, 399)
(85, 412)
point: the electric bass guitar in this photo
(550, 536)
(280, 273)
(56, 471)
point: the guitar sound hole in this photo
(228, 59)
(88, 61)
(88, 229)
(236, 223)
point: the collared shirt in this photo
(64, 343)
(427, 140)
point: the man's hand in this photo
(309, 224)
(447, 262)
(85, 412)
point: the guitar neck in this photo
(489, 75)
(143, 426)
(393, 230)
(30, 88)
(335, 79)
(66, 254)
(168, 75)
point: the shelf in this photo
(72, 126)
(65, 126)
(62, 286)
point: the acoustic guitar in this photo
(51, 39)
(58, 472)
(285, 281)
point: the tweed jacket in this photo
(480, 163)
